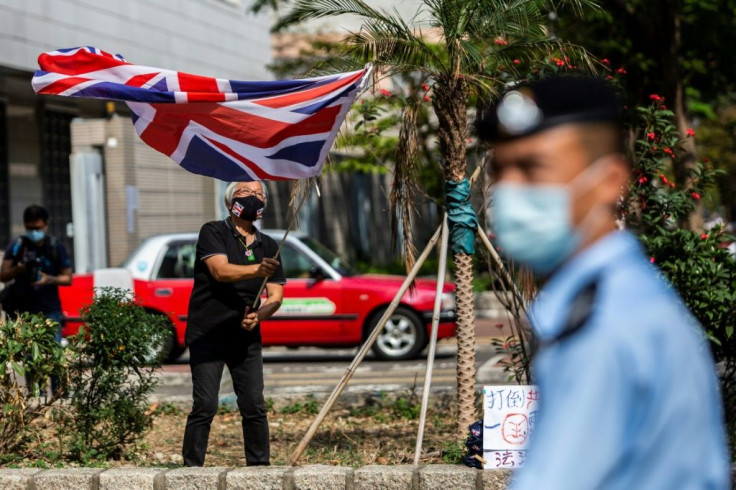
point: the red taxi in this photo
(326, 303)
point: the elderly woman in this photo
(233, 257)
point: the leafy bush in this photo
(27, 346)
(114, 375)
(694, 262)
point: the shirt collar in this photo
(236, 233)
(550, 310)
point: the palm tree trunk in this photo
(450, 106)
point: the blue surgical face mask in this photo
(532, 223)
(35, 235)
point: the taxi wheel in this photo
(169, 350)
(403, 337)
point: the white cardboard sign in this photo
(509, 415)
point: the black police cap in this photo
(532, 107)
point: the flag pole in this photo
(292, 220)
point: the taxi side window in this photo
(178, 262)
(296, 265)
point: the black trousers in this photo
(245, 362)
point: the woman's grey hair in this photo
(230, 191)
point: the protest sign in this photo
(509, 415)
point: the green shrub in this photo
(113, 375)
(27, 346)
(406, 407)
(310, 406)
(703, 273)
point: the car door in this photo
(173, 279)
(312, 310)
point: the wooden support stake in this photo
(433, 339)
(363, 350)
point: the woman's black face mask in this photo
(248, 208)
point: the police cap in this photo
(536, 106)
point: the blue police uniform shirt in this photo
(630, 401)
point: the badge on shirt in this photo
(250, 255)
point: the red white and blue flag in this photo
(229, 129)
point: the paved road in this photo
(317, 371)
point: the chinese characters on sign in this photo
(509, 415)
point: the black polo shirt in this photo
(217, 308)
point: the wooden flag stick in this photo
(292, 220)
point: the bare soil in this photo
(377, 432)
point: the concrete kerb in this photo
(17, 479)
(317, 477)
(67, 479)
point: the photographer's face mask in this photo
(533, 223)
(35, 235)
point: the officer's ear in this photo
(616, 174)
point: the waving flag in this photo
(229, 129)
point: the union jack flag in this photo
(228, 129)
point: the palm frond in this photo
(403, 190)
(316, 9)
(578, 6)
(376, 46)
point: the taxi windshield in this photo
(342, 267)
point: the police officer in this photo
(628, 389)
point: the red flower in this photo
(704, 236)
(609, 77)
(663, 107)
(691, 132)
(643, 180)
(499, 326)
(558, 62)
(656, 98)
(501, 42)
(651, 136)
(427, 99)
(385, 92)
(621, 71)
(517, 62)
(606, 62)
(670, 152)
(663, 178)
(651, 260)
(671, 184)
(695, 195)
(425, 87)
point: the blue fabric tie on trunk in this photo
(461, 217)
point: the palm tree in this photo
(456, 46)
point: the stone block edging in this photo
(308, 477)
